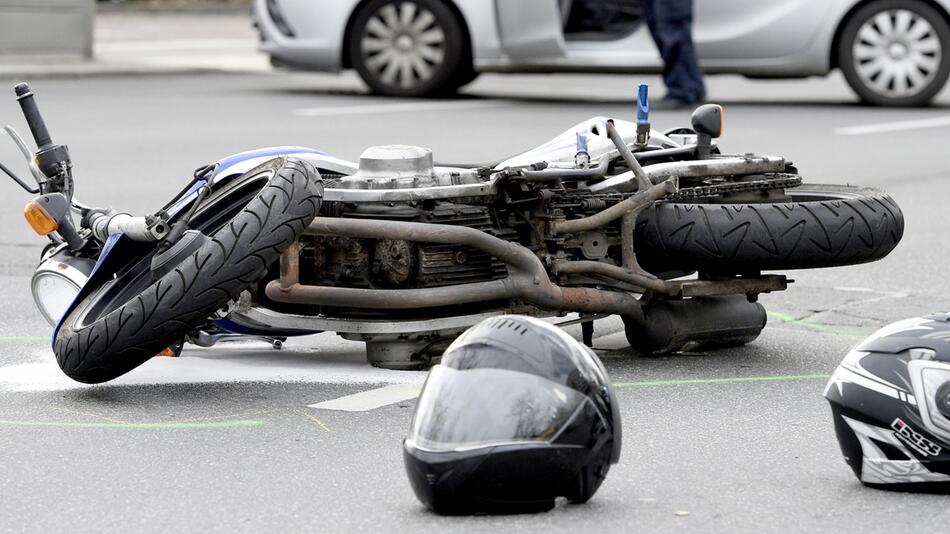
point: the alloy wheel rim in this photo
(897, 53)
(403, 44)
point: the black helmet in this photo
(890, 399)
(517, 414)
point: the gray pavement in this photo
(223, 439)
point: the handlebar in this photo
(51, 159)
(105, 223)
(32, 114)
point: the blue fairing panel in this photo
(237, 328)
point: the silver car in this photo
(890, 51)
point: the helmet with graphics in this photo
(890, 399)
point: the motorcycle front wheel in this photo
(134, 316)
(815, 226)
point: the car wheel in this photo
(409, 47)
(465, 76)
(895, 53)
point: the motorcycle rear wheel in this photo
(126, 321)
(821, 226)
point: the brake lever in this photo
(27, 154)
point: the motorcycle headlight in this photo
(931, 383)
(56, 283)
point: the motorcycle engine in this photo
(393, 264)
(393, 167)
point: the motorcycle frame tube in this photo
(622, 183)
(601, 218)
(643, 181)
(717, 166)
(681, 289)
(625, 182)
(527, 280)
(544, 175)
(322, 323)
(615, 272)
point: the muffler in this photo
(695, 324)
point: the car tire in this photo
(410, 48)
(465, 77)
(895, 52)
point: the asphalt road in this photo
(224, 439)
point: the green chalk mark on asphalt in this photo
(728, 380)
(821, 327)
(24, 338)
(237, 423)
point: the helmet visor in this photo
(929, 380)
(462, 409)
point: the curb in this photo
(107, 71)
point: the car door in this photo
(729, 34)
(565, 33)
(531, 30)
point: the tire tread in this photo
(201, 284)
(864, 225)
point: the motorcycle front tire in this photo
(99, 341)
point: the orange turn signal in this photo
(39, 218)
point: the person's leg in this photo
(648, 9)
(681, 72)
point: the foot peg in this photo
(204, 339)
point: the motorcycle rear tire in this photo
(821, 226)
(94, 346)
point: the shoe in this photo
(668, 103)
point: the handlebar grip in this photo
(32, 114)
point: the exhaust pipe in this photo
(694, 324)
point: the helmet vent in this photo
(502, 323)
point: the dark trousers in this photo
(671, 25)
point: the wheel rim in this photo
(897, 53)
(403, 44)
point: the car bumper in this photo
(313, 42)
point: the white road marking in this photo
(371, 399)
(898, 126)
(327, 360)
(854, 289)
(406, 107)
(886, 296)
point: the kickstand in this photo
(587, 333)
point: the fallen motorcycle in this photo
(611, 217)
